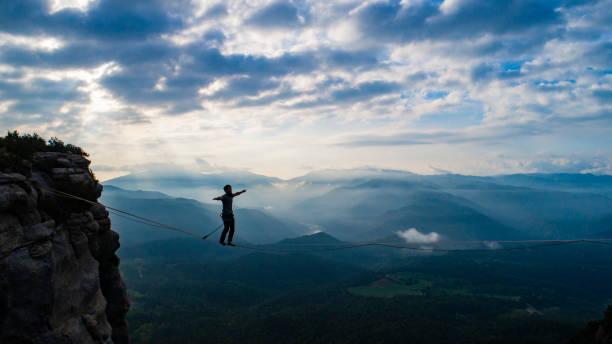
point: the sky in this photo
(285, 87)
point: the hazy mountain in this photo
(113, 191)
(347, 203)
(547, 213)
(358, 206)
(606, 227)
(379, 207)
(316, 238)
(559, 181)
(337, 176)
(445, 214)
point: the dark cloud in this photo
(419, 76)
(214, 35)
(105, 19)
(603, 96)
(145, 64)
(15, 74)
(486, 72)
(197, 67)
(216, 11)
(280, 14)
(88, 54)
(347, 59)
(600, 55)
(393, 21)
(127, 115)
(360, 93)
(72, 56)
(364, 91)
(211, 61)
(572, 3)
(40, 96)
(245, 86)
(23, 17)
(424, 20)
(147, 86)
(483, 71)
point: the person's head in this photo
(227, 188)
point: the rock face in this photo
(596, 332)
(59, 275)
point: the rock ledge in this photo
(59, 274)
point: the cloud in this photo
(203, 163)
(603, 96)
(216, 11)
(387, 75)
(364, 91)
(492, 245)
(359, 93)
(571, 163)
(40, 96)
(413, 236)
(157, 86)
(126, 116)
(105, 19)
(245, 86)
(454, 19)
(89, 54)
(490, 134)
(214, 35)
(349, 59)
(279, 14)
(600, 55)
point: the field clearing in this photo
(417, 284)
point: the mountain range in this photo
(370, 204)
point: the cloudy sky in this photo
(284, 87)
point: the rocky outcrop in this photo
(59, 275)
(596, 332)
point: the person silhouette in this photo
(227, 214)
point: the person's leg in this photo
(226, 226)
(232, 225)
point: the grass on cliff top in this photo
(25, 145)
(16, 148)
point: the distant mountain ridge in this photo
(357, 203)
(447, 215)
(316, 238)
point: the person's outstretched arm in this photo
(217, 198)
(239, 193)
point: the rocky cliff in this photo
(59, 275)
(596, 332)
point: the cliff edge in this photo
(59, 275)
